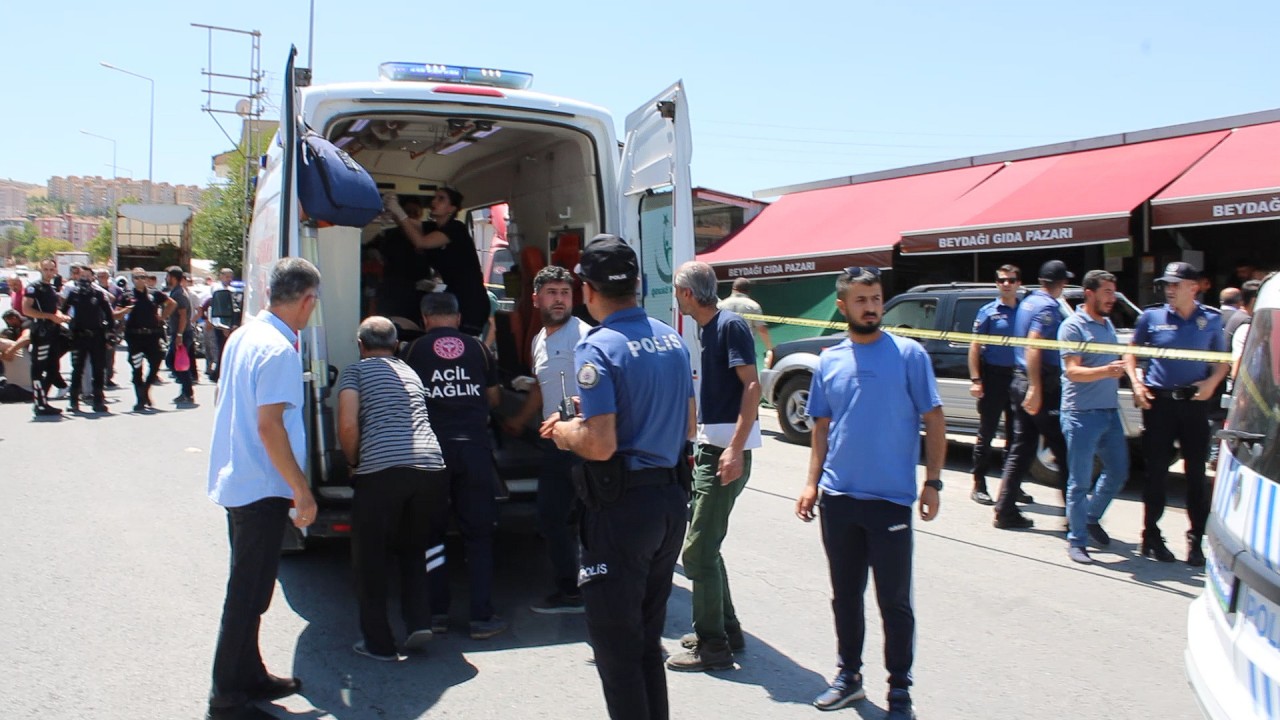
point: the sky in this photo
(779, 93)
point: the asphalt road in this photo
(115, 564)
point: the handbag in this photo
(181, 360)
(333, 187)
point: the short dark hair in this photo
(455, 197)
(291, 279)
(742, 285)
(1094, 278)
(1249, 291)
(550, 274)
(438, 304)
(845, 281)
(1010, 269)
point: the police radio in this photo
(567, 411)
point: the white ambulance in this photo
(1233, 628)
(554, 162)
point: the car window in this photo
(503, 261)
(1257, 398)
(1124, 314)
(966, 312)
(912, 314)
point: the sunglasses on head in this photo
(854, 271)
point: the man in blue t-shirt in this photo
(1036, 394)
(991, 374)
(728, 429)
(867, 400)
(1174, 397)
(1091, 415)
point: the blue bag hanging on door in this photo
(332, 187)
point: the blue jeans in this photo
(1092, 433)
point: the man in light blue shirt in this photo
(1090, 415)
(255, 468)
(867, 401)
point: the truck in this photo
(67, 258)
(153, 237)
(553, 162)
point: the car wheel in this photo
(793, 404)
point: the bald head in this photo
(377, 336)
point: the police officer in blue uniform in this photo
(637, 414)
(991, 374)
(1036, 392)
(1174, 397)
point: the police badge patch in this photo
(588, 376)
(1202, 322)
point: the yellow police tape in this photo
(1008, 341)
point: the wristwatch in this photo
(936, 484)
(975, 380)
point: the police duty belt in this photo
(1143, 351)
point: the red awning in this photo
(1238, 181)
(824, 231)
(1080, 198)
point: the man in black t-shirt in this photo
(461, 380)
(181, 331)
(444, 245)
(91, 315)
(148, 309)
(40, 304)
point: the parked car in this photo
(952, 307)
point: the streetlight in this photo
(151, 141)
(113, 149)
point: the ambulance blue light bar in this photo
(426, 72)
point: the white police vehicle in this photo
(554, 162)
(1233, 628)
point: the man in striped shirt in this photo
(401, 488)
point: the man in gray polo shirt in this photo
(1090, 415)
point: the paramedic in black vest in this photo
(91, 316)
(461, 381)
(444, 244)
(148, 309)
(40, 304)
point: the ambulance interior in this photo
(545, 177)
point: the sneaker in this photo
(360, 649)
(100, 407)
(1024, 498)
(560, 603)
(485, 629)
(737, 641)
(1099, 535)
(982, 497)
(844, 691)
(418, 640)
(701, 659)
(900, 707)
(440, 624)
(1079, 554)
(47, 411)
(184, 399)
(1015, 521)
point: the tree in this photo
(42, 248)
(99, 247)
(219, 229)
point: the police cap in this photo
(608, 260)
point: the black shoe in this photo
(900, 707)
(1195, 555)
(274, 688)
(1014, 521)
(440, 623)
(184, 399)
(981, 497)
(47, 411)
(485, 629)
(239, 712)
(100, 406)
(844, 691)
(1099, 535)
(560, 603)
(110, 385)
(737, 641)
(73, 405)
(140, 408)
(1153, 546)
(1024, 498)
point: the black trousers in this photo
(1027, 431)
(144, 347)
(405, 511)
(256, 532)
(1186, 421)
(92, 348)
(186, 378)
(555, 509)
(44, 370)
(870, 535)
(629, 552)
(472, 491)
(992, 406)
